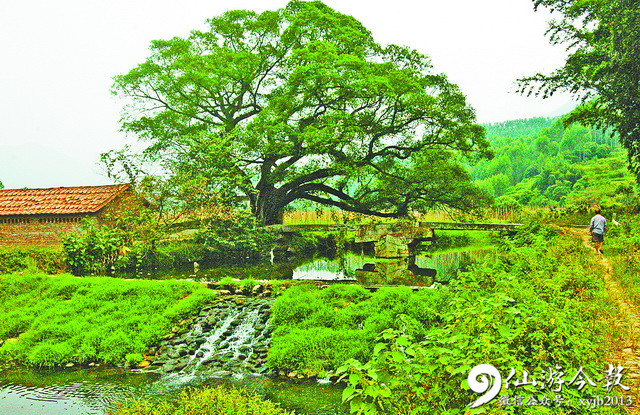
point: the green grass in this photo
(210, 401)
(55, 320)
(318, 329)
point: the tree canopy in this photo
(302, 103)
(602, 69)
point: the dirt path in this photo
(626, 350)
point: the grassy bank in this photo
(56, 320)
(537, 302)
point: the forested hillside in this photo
(538, 162)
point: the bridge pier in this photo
(394, 240)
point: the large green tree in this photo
(602, 69)
(302, 103)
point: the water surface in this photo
(95, 391)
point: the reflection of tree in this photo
(448, 264)
(401, 271)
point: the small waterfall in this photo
(225, 339)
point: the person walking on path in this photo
(597, 229)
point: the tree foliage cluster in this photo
(539, 302)
(602, 69)
(300, 103)
(539, 162)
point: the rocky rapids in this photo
(229, 338)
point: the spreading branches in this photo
(300, 103)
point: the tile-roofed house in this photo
(44, 216)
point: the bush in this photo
(210, 401)
(98, 249)
(236, 240)
(43, 259)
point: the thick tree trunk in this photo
(269, 207)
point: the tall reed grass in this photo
(335, 217)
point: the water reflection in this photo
(400, 271)
(78, 392)
(420, 270)
(448, 264)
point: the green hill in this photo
(538, 162)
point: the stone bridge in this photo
(396, 239)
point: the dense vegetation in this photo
(601, 68)
(538, 162)
(623, 248)
(34, 258)
(49, 321)
(211, 400)
(539, 302)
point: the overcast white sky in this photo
(58, 58)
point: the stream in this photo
(94, 391)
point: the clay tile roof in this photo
(57, 200)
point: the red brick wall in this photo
(42, 230)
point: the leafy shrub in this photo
(236, 239)
(98, 249)
(209, 400)
(43, 259)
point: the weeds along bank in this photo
(622, 247)
(57, 320)
(211, 400)
(538, 302)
